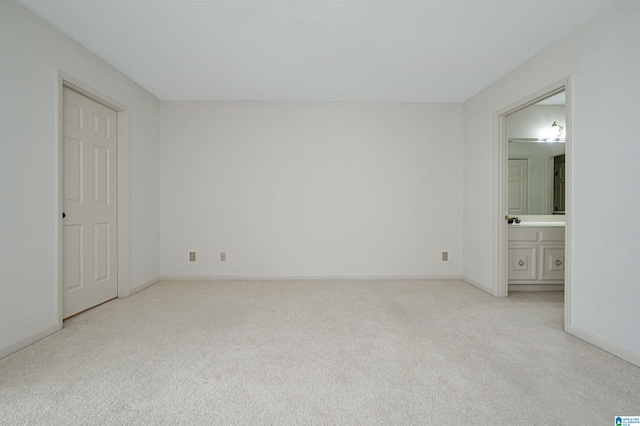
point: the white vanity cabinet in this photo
(536, 257)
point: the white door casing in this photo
(89, 231)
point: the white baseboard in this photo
(477, 284)
(23, 343)
(306, 277)
(603, 344)
(149, 283)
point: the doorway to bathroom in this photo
(534, 194)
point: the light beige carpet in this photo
(317, 352)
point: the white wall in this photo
(311, 189)
(603, 59)
(32, 53)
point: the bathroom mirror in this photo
(536, 167)
(536, 178)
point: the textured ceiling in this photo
(311, 50)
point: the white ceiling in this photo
(434, 51)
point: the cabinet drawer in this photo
(523, 234)
(552, 234)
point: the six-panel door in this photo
(89, 231)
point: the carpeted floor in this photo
(317, 352)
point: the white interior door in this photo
(518, 186)
(89, 224)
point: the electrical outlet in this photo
(192, 256)
(223, 257)
(445, 256)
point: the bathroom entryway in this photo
(535, 196)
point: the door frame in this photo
(501, 286)
(123, 182)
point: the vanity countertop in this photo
(535, 224)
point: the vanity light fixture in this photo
(555, 133)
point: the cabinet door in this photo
(552, 264)
(523, 263)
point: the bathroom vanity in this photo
(536, 255)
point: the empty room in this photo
(341, 212)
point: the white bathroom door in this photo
(518, 187)
(89, 224)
